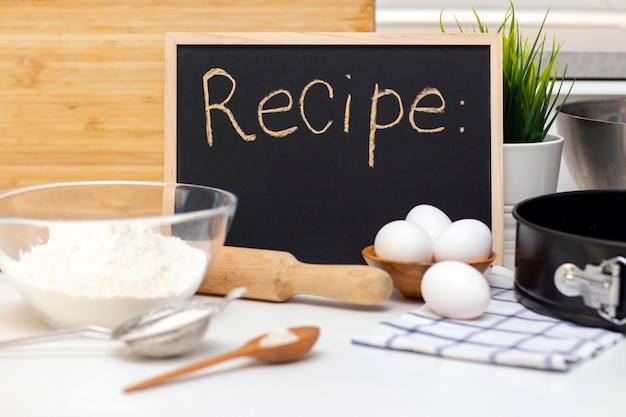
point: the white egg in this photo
(429, 218)
(401, 240)
(455, 290)
(465, 240)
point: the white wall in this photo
(519, 4)
(605, 18)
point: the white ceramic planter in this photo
(530, 170)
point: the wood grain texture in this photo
(278, 276)
(82, 82)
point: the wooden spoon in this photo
(287, 352)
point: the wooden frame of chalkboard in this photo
(325, 137)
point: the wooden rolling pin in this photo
(277, 276)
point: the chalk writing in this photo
(266, 107)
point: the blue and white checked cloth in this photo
(507, 334)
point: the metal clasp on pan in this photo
(598, 285)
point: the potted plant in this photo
(531, 87)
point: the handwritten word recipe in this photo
(282, 101)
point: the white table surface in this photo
(85, 377)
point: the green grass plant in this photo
(530, 79)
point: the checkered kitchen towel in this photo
(507, 334)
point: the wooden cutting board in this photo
(82, 82)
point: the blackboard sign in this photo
(326, 137)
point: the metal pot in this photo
(570, 259)
(595, 142)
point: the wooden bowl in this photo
(407, 276)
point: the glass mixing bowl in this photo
(100, 253)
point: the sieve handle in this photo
(93, 331)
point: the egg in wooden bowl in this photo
(407, 276)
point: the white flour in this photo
(277, 337)
(106, 273)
